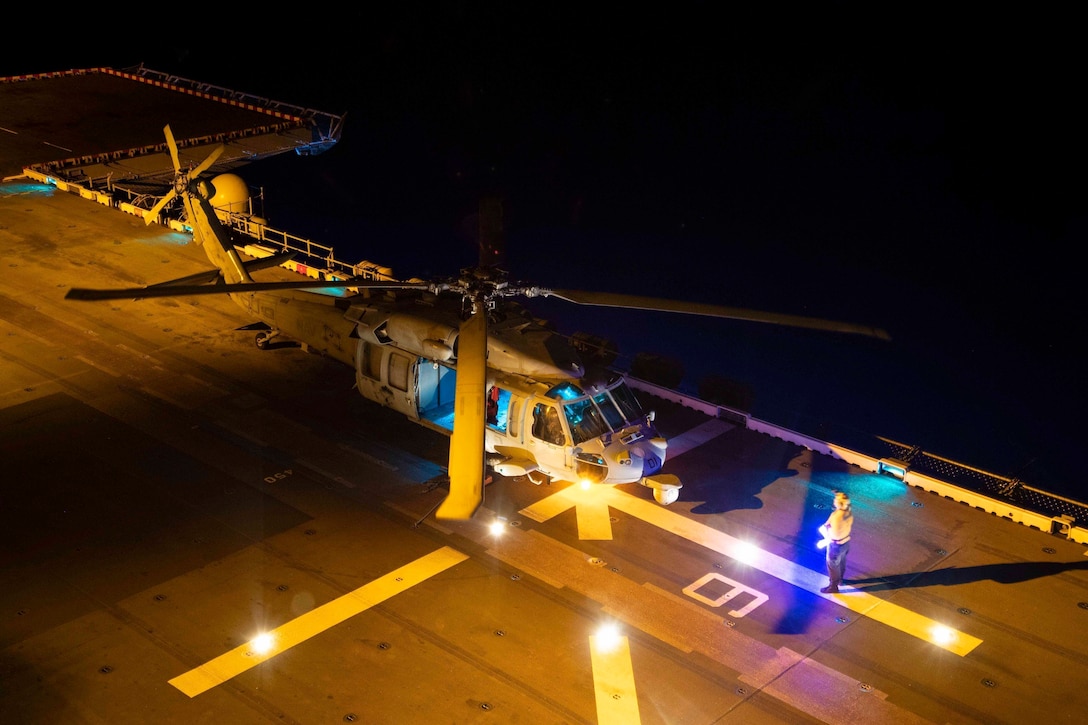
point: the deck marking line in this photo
(696, 437)
(613, 680)
(322, 472)
(591, 508)
(864, 604)
(548, 507)
(98, 366)
(224, 667)
(867, 605)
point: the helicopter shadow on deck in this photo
(730, 475)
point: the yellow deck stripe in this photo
(316, 621)
(549, 506)
(591, 508)
(613, 681)
(867, 605)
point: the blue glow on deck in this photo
(26, 188)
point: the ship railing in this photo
(1000, 495)
(1005, 488)
(287, 242)
(316, 255)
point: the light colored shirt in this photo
(838, 526)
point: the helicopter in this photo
(458, 355)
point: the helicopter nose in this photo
(652, 454)
(627, 464)
(651, 464)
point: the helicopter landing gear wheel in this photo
(666, 488)
(665, 496)
(263, 340)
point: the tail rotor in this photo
(182, 181)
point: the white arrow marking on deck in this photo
(864, 604)
(298, 630)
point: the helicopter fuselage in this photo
(546, 416)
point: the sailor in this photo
(493, 406)
(837, 532)
(546, 425)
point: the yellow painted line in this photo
(549, 506)
(298, 630)
(857, 601)
(613, 680)
(594, 520)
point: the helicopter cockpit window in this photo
(608, 408)
(565, 391)
(546, 424)
(585, 420)
(627, 402)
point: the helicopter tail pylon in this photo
(195, 194)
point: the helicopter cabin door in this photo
(548, 440)
(390, 378)
(434, 388)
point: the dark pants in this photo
(836, 561)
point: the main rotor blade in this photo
(608, 299)
(469, 417)
(78, 293)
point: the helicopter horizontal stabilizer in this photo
(266, 262)
(200, 278)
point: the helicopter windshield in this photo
(612, 409)
(586, 421)
(609, 410)
(625, 400)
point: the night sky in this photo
(901, 167)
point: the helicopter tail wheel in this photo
(264, 338)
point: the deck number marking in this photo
(692, 590)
